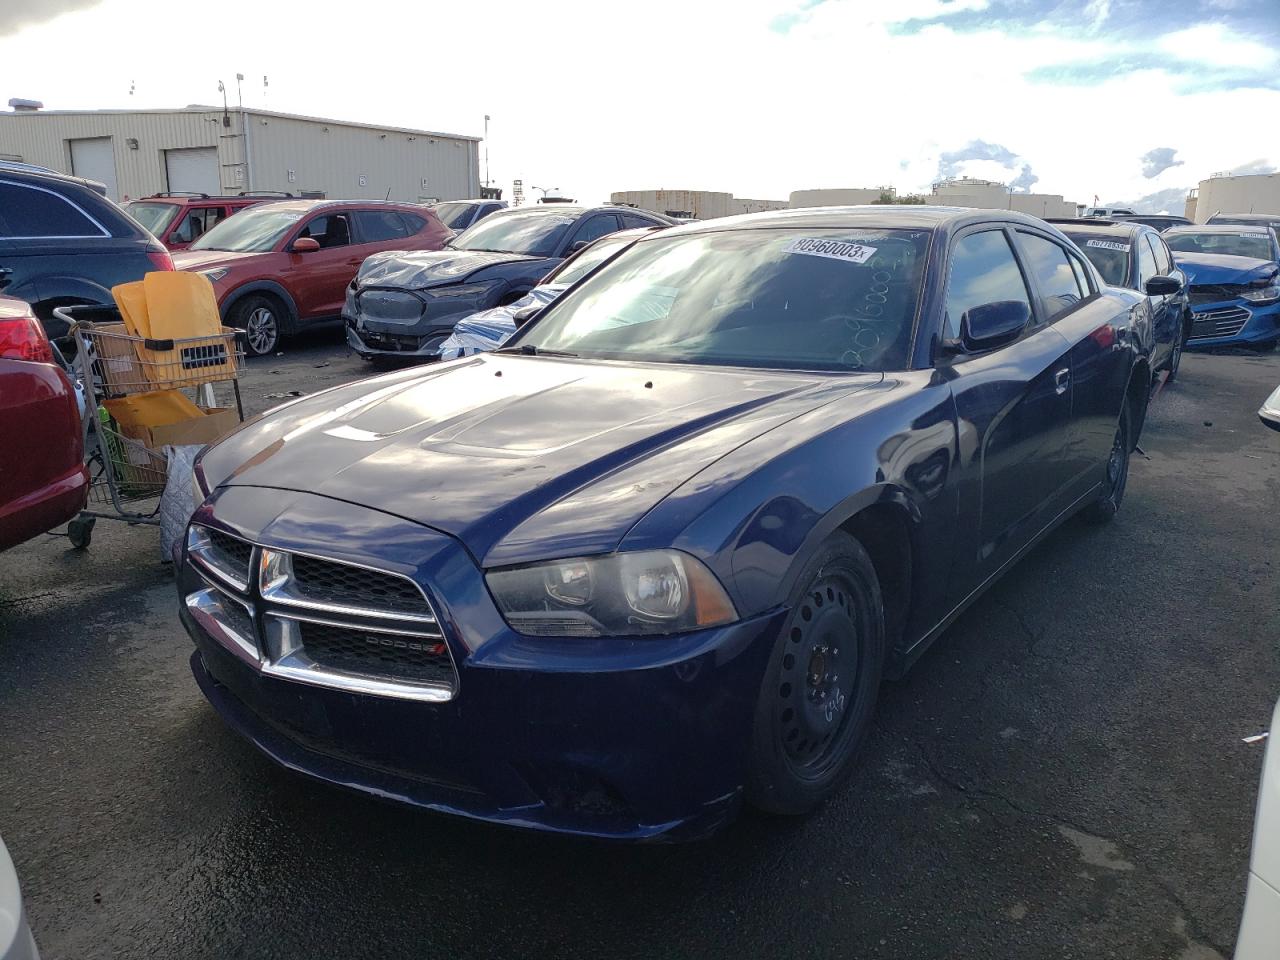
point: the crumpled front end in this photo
(387, 320)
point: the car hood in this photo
(1222, 268)
(207, 259)
(416, 270)
(520, 458)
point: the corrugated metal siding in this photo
(333, 157)
(324, 155)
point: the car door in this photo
(1075, 306)
(318, 280)
(1166, 311)
(1013, 410)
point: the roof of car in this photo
(1101, 228)
(12, 167)
(878, 215)
(1249, 217)
(1210, 228)
(306, 205)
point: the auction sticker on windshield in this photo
(832, 249)
(1108, 245)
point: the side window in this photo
(1146, 265)
(1164, 264)
(379, 225)
(28, 212)
(983, 270)
(197, 221)
(631, 220)
(600, 225)
(413, 222)
(1082, 273)
(330, 230)
(1047, 262)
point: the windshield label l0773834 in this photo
(832, 249)
(1108, 245)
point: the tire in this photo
(1175, 360)
(1111, 496)
(819, 690)
(80, 532)
(263, 319)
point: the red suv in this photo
(179, 219)
(281, 266)
(43, 482)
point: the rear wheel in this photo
(263, 320)
(1117, 477)
(820, 687)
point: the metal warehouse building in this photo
(208, 150)
(702, 204)
(1224, 193)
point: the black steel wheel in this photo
(1117, 475)
(820, 688)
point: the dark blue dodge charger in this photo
(653, 558)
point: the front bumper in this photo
(625, 739)
(368, 343)
(1233, 323)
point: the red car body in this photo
(43, 478)
(306, 285)
(178, 220)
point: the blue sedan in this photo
(652, 559)
(1234, 276)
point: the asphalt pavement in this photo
(1061, 776)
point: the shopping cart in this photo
(126, 473)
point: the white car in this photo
(1260, 926)
(16, 942)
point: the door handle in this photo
(1062, 380)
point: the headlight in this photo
(624, 594)
(1266, 295)
(213, 275)
(198, 492)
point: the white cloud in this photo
(1216, 44)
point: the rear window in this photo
(155, 217)
(379, 225)
(1249, 242)
(35, 213)
(1110, 257)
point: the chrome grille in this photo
(1226, 322)
(376, 653)
(323, 622)
(228, 558)
(339, 583)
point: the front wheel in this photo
(1105, 507)
(262, 320)
(821, 684)
(1175, 360)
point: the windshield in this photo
(154, 216)
(250, 231)
(1246, 243)
(793, 299)
(454, 215)
(574, 269)
(533, 232)
(1111, 257)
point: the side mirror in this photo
(1163, 287)
(1270, 412)
(525, 314)
(992, 325)
(576, 246)
(305, 245)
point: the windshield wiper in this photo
(529, 350)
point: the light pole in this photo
(486, 151)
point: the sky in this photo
(1126, 100)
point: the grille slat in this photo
(371, 653)
(1226, 322)
(324, 581)
(231, 551)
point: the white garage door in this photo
(193, 170)
(95, 159)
